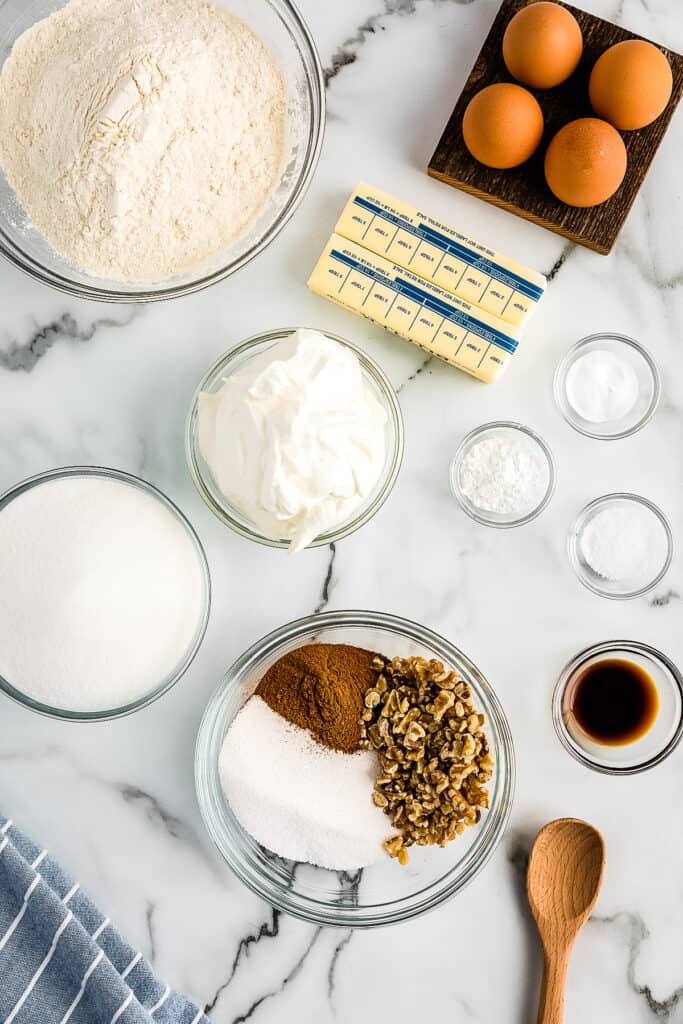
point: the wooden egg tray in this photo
(523, 190)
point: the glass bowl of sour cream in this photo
(306, 444)
(607, 386)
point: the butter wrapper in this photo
(444, 325)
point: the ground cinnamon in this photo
(321, 687)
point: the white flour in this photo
(141, 137)
(503, 476)
(101, 593)
(298, 798)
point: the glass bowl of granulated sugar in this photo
(105, 594)
(160, 181)
(260, 775)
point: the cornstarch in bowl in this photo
(104, 593)
(502, 474)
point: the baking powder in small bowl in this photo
(602, 386)
(607, 386)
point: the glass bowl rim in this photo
(560, 376)
(177, 673)
(482, 517)
(118, 293)
(317, 911)
(605, 647)
(604, 500)
(365, 513)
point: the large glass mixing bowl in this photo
(282, 28)
(385, 893)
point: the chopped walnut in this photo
(434, 756)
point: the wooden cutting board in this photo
(523, 190)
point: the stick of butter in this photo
(438, 253)
(395, 298)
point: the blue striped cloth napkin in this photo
(61, 960)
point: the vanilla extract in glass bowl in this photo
(615, 701)
(618, 707)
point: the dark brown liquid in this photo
(615, 701)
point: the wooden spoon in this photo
(563, 881)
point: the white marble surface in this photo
(81, 383)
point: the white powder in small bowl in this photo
(625, 543)
(298, 798)
(506, 475)
(102, 593)
(602, 386)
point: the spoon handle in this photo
(551, 1006)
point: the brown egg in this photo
(630, 84)
(542, 45)
(585, 162)
(502, 125)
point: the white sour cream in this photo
(296, 440)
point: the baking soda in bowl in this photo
(103, 592)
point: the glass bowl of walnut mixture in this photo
(444, 774)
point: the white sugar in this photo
(298, 798)
(101, 593)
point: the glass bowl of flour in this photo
(152, 150)
(385, 892)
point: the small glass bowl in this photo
(649, 387)
(176, 674)
(384, 893)
(619, 590)
(236, 359)
(657, 743)
(281, 27)
(501, 428)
